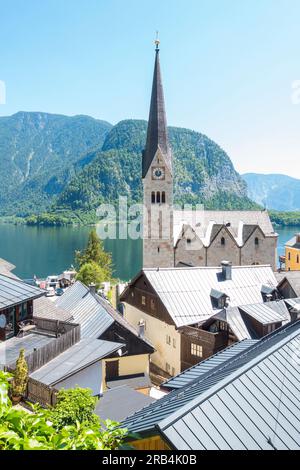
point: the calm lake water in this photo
(43, 251)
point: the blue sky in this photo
(228, 67)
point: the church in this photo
(196, 237)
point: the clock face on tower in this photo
(158, 173)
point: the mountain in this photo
(203, 172)
(39, 155)
(275, 191)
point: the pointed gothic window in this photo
(222, 241)
(163, 197)
(158, 197)
(153, 197)
(256, 241)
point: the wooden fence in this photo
(41, 393)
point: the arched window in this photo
(158, 198)
(163, 197)
(256, 241)
(222, 241)
(153, 197)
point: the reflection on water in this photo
(49, 250)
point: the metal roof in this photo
(15, 291)
(10, 349)
(185, 292)
(255, 408)
(166, 412)
(120, 402)
(205, 366)
(86, 311)
(264, 314)
(133, 381)
(74, 359)
(238, 223)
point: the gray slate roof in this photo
(134, 381)
(45, 308)
(6, 267)
(85, 310)
(120, 402)
(205, 366)
(10, 349)
(265, 314)
(157, 133)
(74, 359)
(15, 291)
(249, 402)
(186, 292)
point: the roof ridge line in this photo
(168, 421)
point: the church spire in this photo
(157, 135)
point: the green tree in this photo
(95, 253)
(91, 273)
(74, 406)
(19, 383)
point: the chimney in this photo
(226, 270)
(92, 288)
(141, 326)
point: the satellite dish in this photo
(2, 321)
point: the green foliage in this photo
(290, 219)
(20, 430)
(20, 379)
(91, 273)
(74, 406)
(203, 172)
(94, 254)
(39, 154)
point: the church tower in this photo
(157, 174)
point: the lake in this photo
(43, 251)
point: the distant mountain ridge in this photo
(54, 163)
(274, 191)
(203, 171)
(39, 154)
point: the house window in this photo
(223, 241)
(196, 350)
(163, 197)
(152, 303)
(158, 197)
(256, 241)
(158, 249)
(189, 240)
(298, 259)
(271, 328)
(168, 367)
(153, 197)
(168, 340)
(289, 256)
(143, 300)
(23, 312)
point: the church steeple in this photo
(157, 135)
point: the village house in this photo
(126, 365)
(178, 307)
(292, 254)
(192, 237)
(244, 398)
(289, 284)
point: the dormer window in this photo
(218, 299)
(268, 293)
